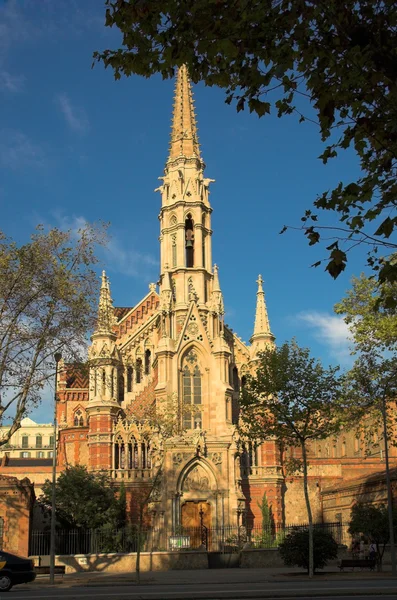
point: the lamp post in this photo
(57, 358)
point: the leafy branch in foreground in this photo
(338, 58)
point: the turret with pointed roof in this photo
(262, 336)
(105, 319)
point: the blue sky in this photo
(75, 145)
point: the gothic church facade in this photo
(174, 349)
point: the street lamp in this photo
(57, 358)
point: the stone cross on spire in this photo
(105, 308)
(262, 326)
(184, 139)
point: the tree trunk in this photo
(389, 492)
(309, 510)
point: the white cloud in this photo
(330, 330)
(75, 117)
(11, 83)
(18, 150)
(126, 261)
(129, 261)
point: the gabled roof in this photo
(131, 319)
(76, 375)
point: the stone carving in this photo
(177, 458)
(192, 294)
(216, 458)
(196, 481)
(193, 329)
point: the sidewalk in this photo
(211, 576)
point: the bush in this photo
(294, 550)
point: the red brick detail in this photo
(100, 452)
(144, 399)
(130, 321)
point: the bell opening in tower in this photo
(189, 241)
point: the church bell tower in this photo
(185, 216)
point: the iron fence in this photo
(214, 539)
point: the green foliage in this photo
(372, 521)
(294, 550)
(370, 312)
(48, 295)
(294, 400)
(291, 397)
(338, 57)
(369, 393)
(267, 536)
(85, 500)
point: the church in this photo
(173, 352)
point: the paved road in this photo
(376, 590)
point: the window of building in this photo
(40, 454)
(25, 454)
(204, 242)
(25, 441)
(129, 379)
(39, 441)
(189, 241)
(50, 454)
(78, 420)
(147, 362)
(191, 389)
(121, 387)
(51, 440)
(138, 370)
(236, 381)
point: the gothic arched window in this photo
(129, 379)
(147, 362)
(121, 387)
(78, 420)
(191, 389)
(138, 370)
(189, 241)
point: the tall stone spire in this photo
(105, 308)
(262, 335)
(185, 215)
(184, 139)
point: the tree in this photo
(292, 399)
(85, 500)
(294, 549)
(373, 522)
(48, 292)
(267, 522)
(369, 310)
(371, 393)
(338, 58)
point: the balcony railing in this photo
(262, 471)
(132, 474)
